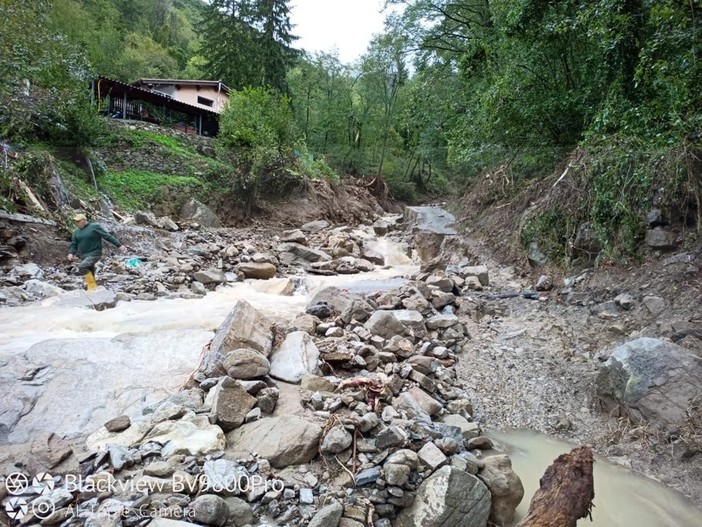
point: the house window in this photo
(204, 101)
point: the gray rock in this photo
(440, 280)
(244, 327)
(296, 357)
(369, 475)
(381, 227)
(240, 512)
(359, 310)
(427, 402)
(431, 456)
(410, 319)
(404, 456)
(27, 271)
(479, 271)
(655, 304)
(294, 236)
(373, 256)
(389, 437)
(198, 288)
(267, 399)
(260, 271)
(396, 474)
(145, 218)
(230, 403)
(193, 210)
(118, 423)
(368, 422)
(42, 289)
(505, 488)
(408, 404)
(333, 296)
(337, 440)
(384, 324)
(314, 383)
(210, 276)
(442, 321)
(159, 469)
(210, 510)
(167, 224)
(650, 379)
(223, 475)
(244, 363)
(306, 253)
(306, 496)
(328, 516)
(99, 299)
(192, 435)
(448, 498)
(306, 323)
(468, 429)
(661, 239)
(285, 440)
(625, 301)
(479, 443)
(315, 226)
(544, 283)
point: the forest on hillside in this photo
(451, 90)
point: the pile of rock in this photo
(381, 433)
(190, 263)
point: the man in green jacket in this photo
(87, 245)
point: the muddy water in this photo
(622, 498)
(69, 370)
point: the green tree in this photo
(247, 42)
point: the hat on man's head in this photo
(79, 217)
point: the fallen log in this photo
(565, 493)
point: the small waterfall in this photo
(92, 172)
(58, 190)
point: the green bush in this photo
(256, 117)
(402, 190)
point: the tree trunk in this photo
(565, 492)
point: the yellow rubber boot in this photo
(89, 281)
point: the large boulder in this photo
(296, 357)
(230, 403)
(661, 239)
(384, 324)
(283, 441)
(193, 210)
(244, 327)
(335, 297)
(650, 379)
(448, 498)
(505, 488)
(258, 270)
(210, 276)
(246, 363)
(306, 253)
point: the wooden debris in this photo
(565, 493)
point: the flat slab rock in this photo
(99, 299)
(283, 441)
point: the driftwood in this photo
(565, 493)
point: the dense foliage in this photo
(450, 90)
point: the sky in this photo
(346, 25)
